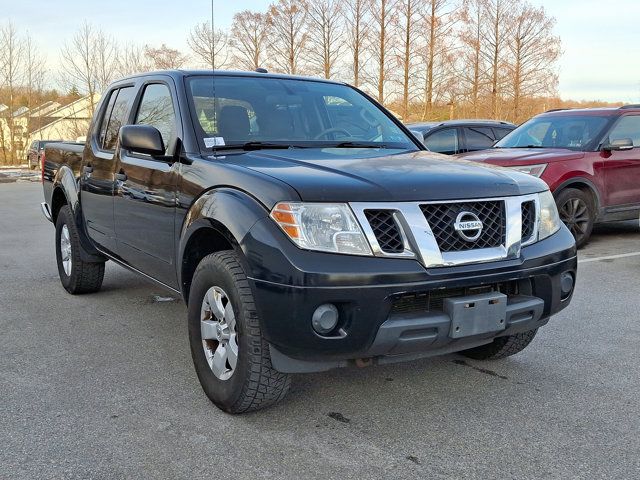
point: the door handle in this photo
(87, 169)
(121, 176)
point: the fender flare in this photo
(229, 211)
(66, 181)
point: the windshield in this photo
(287, 112)
(562, 131)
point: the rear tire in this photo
(76, 275)
(577, 212)
(232, 361)
(501, 347)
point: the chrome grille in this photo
(442, 216)
(386, 230)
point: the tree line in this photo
(424, 59)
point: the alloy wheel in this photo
(218, 331)
(574, 213)
(65, 250)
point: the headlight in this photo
(549, 222)
(535, 170)
(328, 227)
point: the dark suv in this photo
(590, 158)
(460, 136)
(34, 154)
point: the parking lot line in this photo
(609, 257)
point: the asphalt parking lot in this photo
(102, 386)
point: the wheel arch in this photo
(218, 220)
(65, 183)
(66, 192)
(585, 185)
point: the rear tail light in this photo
(42, 167)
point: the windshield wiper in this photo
(256, 146)
(358, 145)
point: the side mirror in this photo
(142, 139)
(618, 144)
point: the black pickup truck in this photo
(304, 227)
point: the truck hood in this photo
(521, 156)
(370, 175)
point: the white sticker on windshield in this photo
(210, 142)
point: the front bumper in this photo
(289, 284)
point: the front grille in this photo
(433, 301)
(442, 216)
(386, 230)
(528, 220)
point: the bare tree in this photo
(165, 58)
(34, 73)
(209, 45)
(11, 75)
(497, 20)
(406, 24)
(438, 20)
(534, 51)
(34, 69)
(357, 30)
(132, 60)
(105, 53)
(88, 61)
(288, 22)
(326, 42)
(248, 37)
(473, 73)
(382, 15)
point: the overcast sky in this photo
(601, 40)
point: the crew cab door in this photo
(98, 168)
(145, 193)
(622, 167)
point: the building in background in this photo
(47, 121)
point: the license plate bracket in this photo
(476, 314)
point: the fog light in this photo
(566, 284)
(325, 318)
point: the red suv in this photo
(590, 158)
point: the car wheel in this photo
(230, 355)
(76, 275)
(501, 347)
(577, 213)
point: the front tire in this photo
(577, 212)
(229, 353)
(76, 275)
(501, 347)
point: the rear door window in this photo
(627, 127)
(500, 133)
(443, 141)
(478, 138)
(117, 118)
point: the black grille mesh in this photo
(386, 230)
(528, 220)
(442, 216)
(433, 301)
